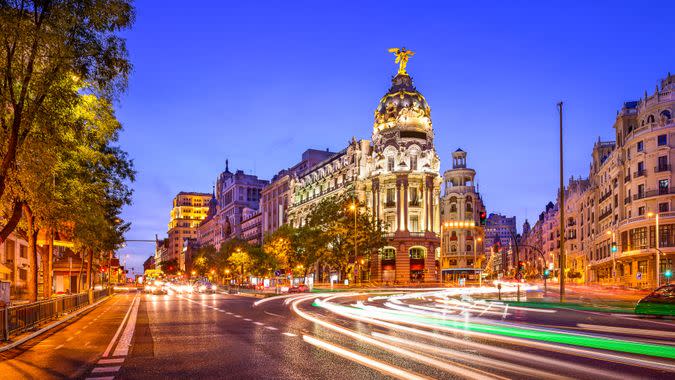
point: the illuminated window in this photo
(417, 253)
(388, 254)
(390, 164)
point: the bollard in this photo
(518, 293)
(499, 291)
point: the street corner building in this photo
(396, 176)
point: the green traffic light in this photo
(668, 273)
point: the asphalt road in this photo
(343, 336)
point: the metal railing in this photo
(18, 319)
(662, 168)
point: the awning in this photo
(4, 269)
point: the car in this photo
(659, 302)
(298, 289)
(205, 287)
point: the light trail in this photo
(455, 369)
(627, 330)
(363, 360)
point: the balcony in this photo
(389, 204)
(605, 196)
(640, 173)
(415, 203)
(626, 200)
(662, 168)
(656, 193)
(605, 215)
(626, 178)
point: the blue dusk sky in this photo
(259, 82)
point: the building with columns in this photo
(462, 254)
(395, 176)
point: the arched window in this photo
(388, 253)
(453, 248)
(453, 235)
(417, 253)
(650, 119)
(453, 207)
(468, 248)
(665, 114)
(469, 207)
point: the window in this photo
(414, 197)
(390, 164)
(453, 207)
(640, 168)
(453, 248)
(642, 266)
(416, 253)
(663, 207)
(23, 251)
(638, 238)
(391, 221)
(23, 274)
(641, 191)
(640, 146)
(641, 210)
(469, 248)
(662, 164)
(391, 196)
(664, 186)
(10, 247)
(389, 254)
(414, 223)
(413, 162)
(661, 140)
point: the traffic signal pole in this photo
(561, 264)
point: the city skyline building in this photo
(188, 211)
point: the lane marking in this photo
(111, 361)
(259, 323)
(106, 369)
(270, 313)
(271, 328)
(364, 360)
(237, 316)
(57, 347)
(289, 334)
(119, 329)
(122, 348)
(248, 319)
(69, 339)
(101, 378)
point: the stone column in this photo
(430, 264)
(405, 204)
(430, 209)
(402, 263)
(398, 204)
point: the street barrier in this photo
(18, 319)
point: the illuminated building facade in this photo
(189, 209)
(396, 176)
(462, 254)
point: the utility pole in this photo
(561, 263)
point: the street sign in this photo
(638, 275)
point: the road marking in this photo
(101, 378)
(106, 369)
(69, 339)
(78, 332)
(271, 328)
(57, 347)
(289, 334)
(237, 315)
(119, 329)
(248, 319)
(122, 348)
(259, 323)
(228, 313)
(269, 313)
(111, 361)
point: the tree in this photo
(205, 259)
(170, 267)
(281, 246)
(51, 53)
(240, 260)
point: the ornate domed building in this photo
(396, 176)
(403, 184)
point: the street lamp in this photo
(353, 208)
(480, 275)
(658, 261)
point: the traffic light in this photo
(614, 247)
(547, 272)
(483, 218)
(521, 266)
(668, 273)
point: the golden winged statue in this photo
(402, 57)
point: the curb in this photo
(51, 326)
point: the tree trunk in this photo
(31, 286)
(12, 222)
(50, 264)
(90, 259)
(79, 274)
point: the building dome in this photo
(402, 107)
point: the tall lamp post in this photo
(354, 209)
(658, 259)
(562, 211)
(613, 249)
